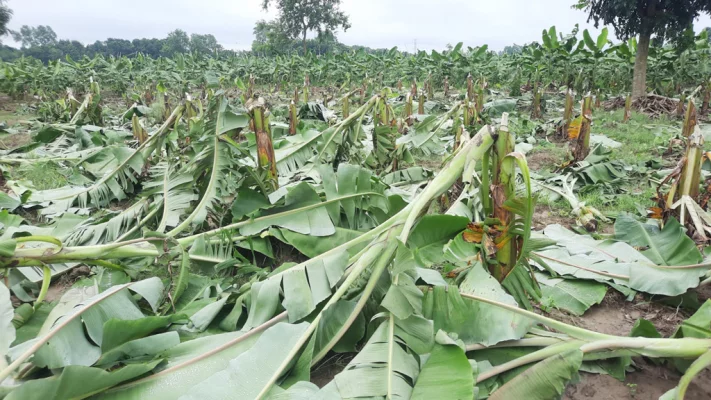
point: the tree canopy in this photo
(41, 43)
(5, 15)
(667, 19)
(40, 35)
(298, 17)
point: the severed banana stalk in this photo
(585, 215)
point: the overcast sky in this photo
(375, 23)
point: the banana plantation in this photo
(444, 225)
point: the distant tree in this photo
(176, 42)
(71, 48)
(514, 49)
(149, 47)
(5, 16)
(270, 39)
(667, 19)
(96, 48)
(8, 53)
(298, 17)
(41, 35)
(204, 44)
(119, 47)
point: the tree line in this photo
(41, 43)
(649, 20)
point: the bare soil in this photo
(327, 369)
(545, 215)
(615, 316)
(540, 159)
(648, 381)
(9, 115)
(64, 282)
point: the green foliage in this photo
(41, 35)
(5, 16)
(664, 18)
(41, 43)
(176, 42)
(298, 17)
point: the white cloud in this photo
(375, 23)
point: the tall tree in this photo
(119, 47)
(270, 39)
(666, 19)
(204, 44)
(41, 35)
(299, 17)
(176, 42)
(5, 15)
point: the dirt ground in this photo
(616, 316)
(545, 215)
(648, 381)
(542, 159)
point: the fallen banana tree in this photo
(585, 215)
(370, 283)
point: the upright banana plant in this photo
(504, 231)
(580, 131)
(307, 88)
(690, 119)
(480, 93)
(139, 133)
(683, 196)
(628, 108)
(568, 111)
(429, 88)
(536, 106)
(294, 118)
(503, 189)
(680, 106)
(266, 160)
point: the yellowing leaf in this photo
(474, 233)
(574, 128)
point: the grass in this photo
(10, 117)
(546, 156)
(642, 138)
(636, 198)
(46, 175)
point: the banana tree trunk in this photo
(346, 107)
(568, 112)
(266, 160)
(536, 108)
(293, 119)
(680, 106)
(628, 106)
(689, 120)
(582, 144)
(407, 112)
(503, 188)
(691, 172)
